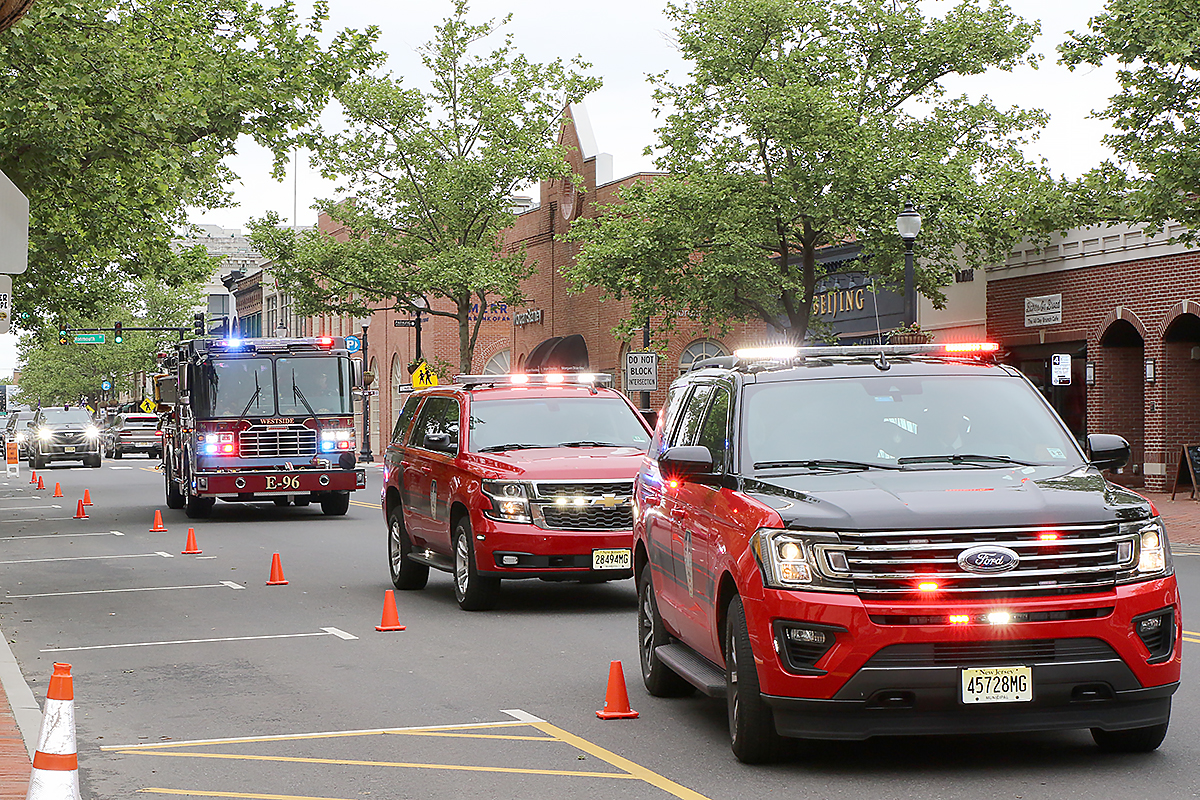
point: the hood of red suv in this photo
(560, 463)
(947, 498)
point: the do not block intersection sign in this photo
(641, 372)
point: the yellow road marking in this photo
(364, 505)
(350, 762)
(1191, 633)
(476, 736)
(634, 770)
(296, 737)
(190, 793)
(148, 469)
(1192, 640)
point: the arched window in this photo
(498, 364)
(398, 375)
(375, 408)
(698, 351)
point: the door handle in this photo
(677, 512)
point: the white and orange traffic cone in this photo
(55, 773)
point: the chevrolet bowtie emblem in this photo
(607, 500)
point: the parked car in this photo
(504, 477)
(132, 433)
(15, 430)
(63, 434)
(844, 543)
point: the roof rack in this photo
(543, 379)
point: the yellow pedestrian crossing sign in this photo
(148, 406)
(423, 377)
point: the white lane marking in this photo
(205, 558)
(340, 633)
(60, 535)
(25, 508)
(82, 469)
(323, 632)
(163, 554)
(232, 585)
(120, 467)
(33, 519)
(81, 558)
(522, 716)
(117, 591)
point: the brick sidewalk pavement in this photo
(1181, 515)
(14, 758)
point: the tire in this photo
(194, 506)
(38, 462)
(335, 504)
(175, 497)
(473, 591)
(282, 502)
(660, 680)
(752, 733)
(303, 501)
(406, 574)
(92, 461)
(1134, 740)
(116, 453)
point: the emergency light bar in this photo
(786, 353)
(542, 379)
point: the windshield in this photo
(323, 382)
(54, 416)
(235, 387)
(899, 421)
(555, 422)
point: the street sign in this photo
(148, 406)
(641, 372)
(404, 323)
(353, 344)
(423, 377)
(106, 385)
(88, 338)
(1060, 369)
(5, 303)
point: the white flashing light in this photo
(555, 377)
(999, 617)
(763, 353)
(519, 377)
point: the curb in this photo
(20, 697)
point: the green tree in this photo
(52, 373)
(1156, 113)
(431, 175)
(115, 117)
(808, 123)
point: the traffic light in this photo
(62, 336)
(199, 326)
(117, 337)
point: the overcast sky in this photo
(624, 40)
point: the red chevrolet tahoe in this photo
(844, 542)
(512, 477)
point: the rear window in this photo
(141, 422)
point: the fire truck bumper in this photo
(214, 484)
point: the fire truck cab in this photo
(259, 419)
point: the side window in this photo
(666, 421)
(416, 436)
(693, 415)
(438, 415)
(406, 415)
(714, 434)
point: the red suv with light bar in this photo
(512, 476)
(846, 542)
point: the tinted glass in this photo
(693, 414)
(438, 415)
(882, 419)
(323, 382)
(233, 387)
(406, 415)
(593, 421)
(58, 416)
(140, 422)
(666, 420)
(714, 433)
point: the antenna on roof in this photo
(881, 363)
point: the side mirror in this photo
(678, 463)
(356, 372)
(437, 441)
(1107, 451)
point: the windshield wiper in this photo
(961, 458)
(496, 448)
(253, 397)
(299, 395)
(588, 443)
(823, 463)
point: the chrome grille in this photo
(584, 506)
(588, 517)
(1084, 558)
(294, 441)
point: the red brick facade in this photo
(1137, 320)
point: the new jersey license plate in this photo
(620, 558)
(69, 448)
(997, 685)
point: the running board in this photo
(432, 559)
(693, 668)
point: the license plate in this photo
(141, 444)
(997, 685)
(69, 448)
(612, 559)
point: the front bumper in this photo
(1089, 667)
(271, 483)
(542, 553)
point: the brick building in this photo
(1120, 303)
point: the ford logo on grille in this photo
(988, 559)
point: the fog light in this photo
(999, 617)
(509, 561)
(806, 635)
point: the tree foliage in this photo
(430, 175)
(809, 123)
(1156, 113)
(52, 373)
(115, 117)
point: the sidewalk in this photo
(1181, 515)
(14, 759)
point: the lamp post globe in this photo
(908, 225)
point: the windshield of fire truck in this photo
(323, 382)
(233, 387)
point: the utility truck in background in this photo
(248, 420)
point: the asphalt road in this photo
(305, 699)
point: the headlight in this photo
(20, 436)
(1151, 557)
(337, 439)
(91, 431)
(790, 560)
(45, 434)
(510, 501)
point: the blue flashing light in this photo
(328, 446)
(210, 449)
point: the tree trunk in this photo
(466, 353)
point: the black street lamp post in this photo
(366, 455)
(908, 224)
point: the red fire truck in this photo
(259, 419)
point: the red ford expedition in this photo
(845, 542)
(516, 476)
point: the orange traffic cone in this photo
(79, 512)
(277, 578)
(190, 548)
(55, 763)
(33, 478)
(616, 700)
(41, 483)
(158, 527)
(87, 497)
(57, 489)
(391, 620)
